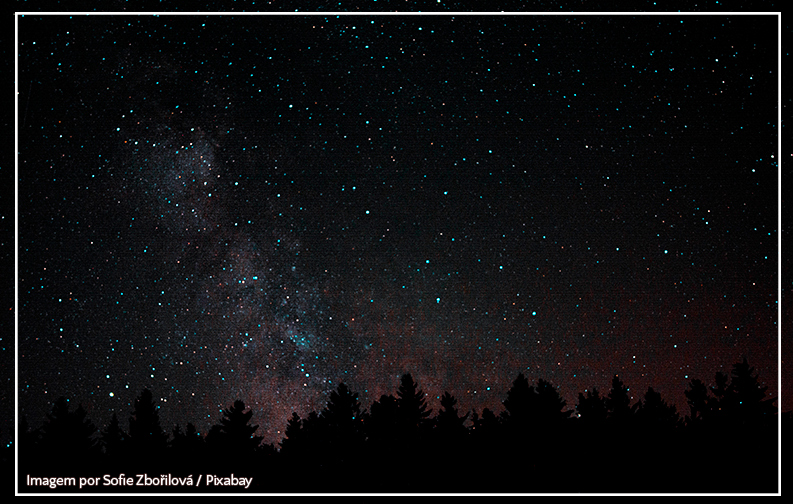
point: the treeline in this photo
(728, 442)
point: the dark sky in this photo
(261, 207)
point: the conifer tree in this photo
(188, 444)
(413, 414)
(148, 441)
(699, 402)
(342, 425)
(448, 422)
(381, 423)
(745, 398)
(655, 415)
(238, 436)
(592, 408)
(618, 403)
(68, 437)
(292, 443)
(343, 414)
(550, 406)
(113, 439)
(519, 403)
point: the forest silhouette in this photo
(727, 443)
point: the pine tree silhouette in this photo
(592, 408)
(485, 430)
(592, 440)
(187, 447)
(239, 436)
(398, 430)
(29, 449)
(745, 398)
(214, 442)
(655, 416)
(519, 404)
(233, 443)
(413, 414)
(305, 442)
(313, 429)
(618, 436)
(449, 424)
(451, 439)
(343, 412)
(550, 407)
(699, 402)
(343, 436)
(618, 404)
(491, 451)
(293, 444)
(720, 409)
(381, 430)
(148, 441)
(114, 441)
(732, 422)
(67, 438)
(381, 423)
(533, 412)
(748, 428)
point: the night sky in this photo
(262, 207)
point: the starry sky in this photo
(262, 207)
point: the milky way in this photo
(260, 208)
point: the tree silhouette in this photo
(655, 415)
(731, 424)
(382, 419)
(550, 406)
(449, 424)
(720, 408)
(342, 428)
(592, 439)
(485, 430)
(530, 409)
(304, 440)
(312, 429)
(232, 443)
(293, 443)
(187, 445)
(451, 436)
(114, 441)
(534, 420)
(412, 413)
(305, 443)
(238, 435)
(737, 400)
(148, 441)
(381, 427)
(27, 437)
(28, 446)
(214, 441)
(396, 428)
(618, 429)
(519, 404)
(745, 398)
(67, 438)
(343, 412)
(618, 404)
(488, 424)
(750, 429)
(741, 428)
(592, 408)
(699, 402)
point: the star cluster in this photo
(260, 207)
